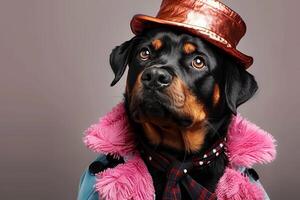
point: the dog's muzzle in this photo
(156, 78)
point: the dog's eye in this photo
(144, 54)
(198, 62)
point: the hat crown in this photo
(210, 20)
(211, 15)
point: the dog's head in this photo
(176, 83)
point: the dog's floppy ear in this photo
(240, 85)
(119, 59)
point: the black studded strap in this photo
(178, 172)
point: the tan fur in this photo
(151, 133)
(157, 44)
(132, 95)
(216, 95)
(189, 48)
(136, 88)
(168, 132)
(176, 93)
(194, 138)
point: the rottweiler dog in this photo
(181, 93)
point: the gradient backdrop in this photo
(55, 82)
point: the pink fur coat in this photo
(247, 145)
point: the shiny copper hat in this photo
(208, 19)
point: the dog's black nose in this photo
(156, 78)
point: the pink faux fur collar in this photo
(247, 145)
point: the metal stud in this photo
(150, 158)
(200, 162)
(214, 150)
(205, 156)
(185, 171)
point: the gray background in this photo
(55, 82)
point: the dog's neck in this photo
(215, 129)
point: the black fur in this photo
(119, 59)
(236, 87)
(240, 86)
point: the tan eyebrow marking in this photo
(157, 44)
(216, 95)
(189, 48)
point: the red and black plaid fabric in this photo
(178, 172)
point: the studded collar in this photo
(196, 161)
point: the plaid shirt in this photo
(177, 172)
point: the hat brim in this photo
(141, 22)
